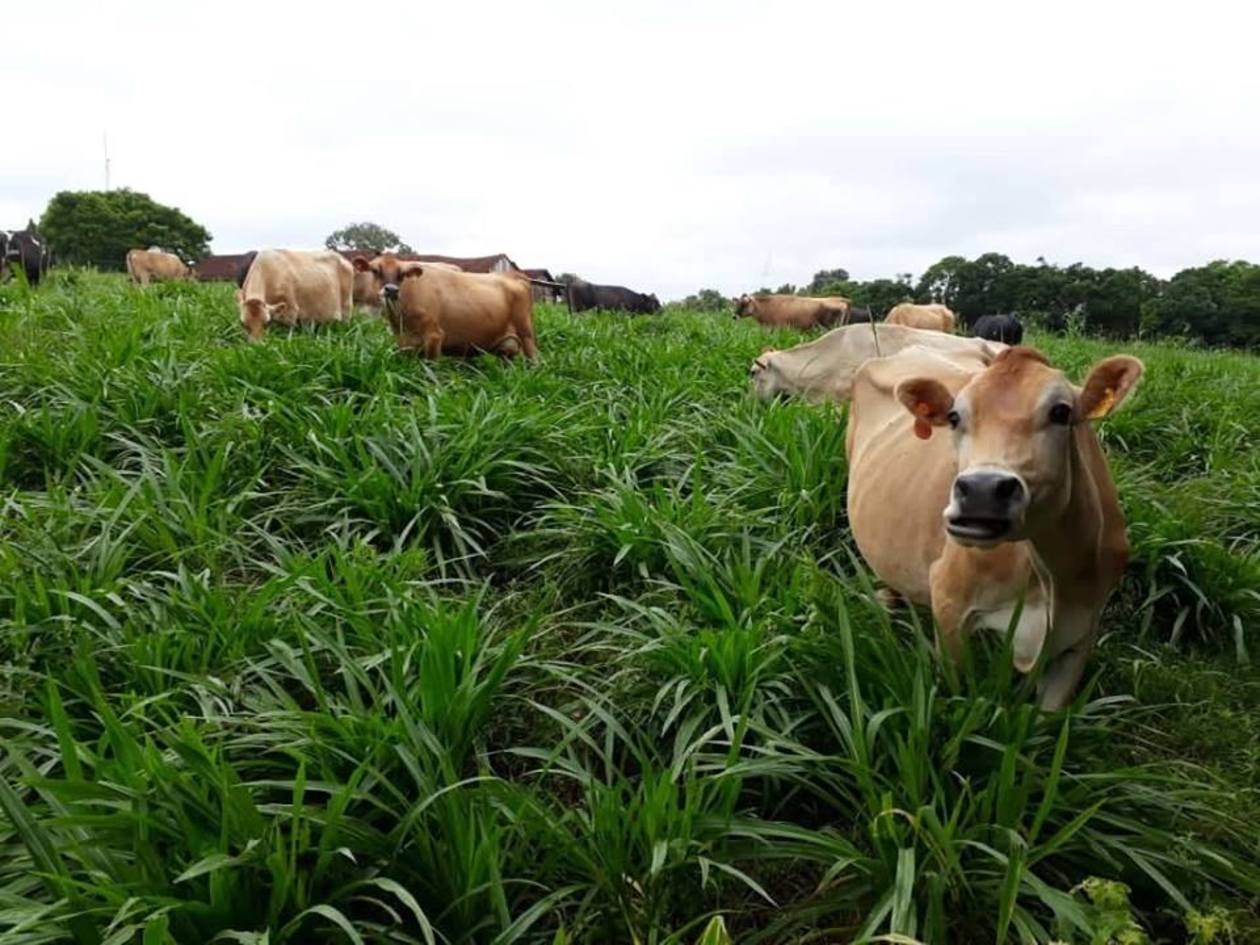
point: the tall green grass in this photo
(310, 641)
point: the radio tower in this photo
(105, 146)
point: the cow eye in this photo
(1061, 414)
(953, 419)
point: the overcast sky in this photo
(666, 146)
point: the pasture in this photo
(308, 641)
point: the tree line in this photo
(1216, 304)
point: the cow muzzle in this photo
(986, 506)
(389, 292)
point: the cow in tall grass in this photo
(434, 310)
(291, 286)
(983, 492)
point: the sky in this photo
(666, 146)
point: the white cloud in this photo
(663, 145)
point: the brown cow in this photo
(155, 265)
(793, 311)
(935, 317)
(1015, 507)
(437, 311)
(291, 286)
(367, 285)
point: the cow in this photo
(823, 369)
(1004, 328)
(935, 317)
(291, 286)
(434, 310)
(584, 296)
(368, 285)
(155, 265)
(28, 251)
(982, 492)
(793, 311)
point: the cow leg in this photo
(1057, 685)
(433, 338)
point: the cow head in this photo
(654, 304)
(744, 306)
(1013, 427)
(256, 314)
(387, 272)
(765, 376)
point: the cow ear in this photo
(360, 264)
(1108, 385)
(928, 401)
(413, 272)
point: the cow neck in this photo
(1069, 546)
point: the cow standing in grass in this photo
(435, 311)
(983, 492)
(793, 311)
(290, 286)
(935, 317)
(155, 265)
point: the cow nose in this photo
(390, 291)
(987, 505)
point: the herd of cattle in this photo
(1007, 520)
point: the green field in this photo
(308, 641)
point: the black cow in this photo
(858, 316)
(1003, 328)
(584, 296)
(29, 251)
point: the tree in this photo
(98, 227)
(370, 236)
(825, 277)
(706, 300)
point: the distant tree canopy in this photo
(706, 300)
(367, 235)
(1217, 304)
(98, 227)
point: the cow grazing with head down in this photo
(584, 296)
(793, 311)
(934, 317)
(290, 286)
(155, 265)
(1004, 328)
(435, 310)
(27, 251)
(983, 492)
(823, 369)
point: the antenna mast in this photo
(105, 146)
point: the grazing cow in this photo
(291, 286)
(793, 311)
(933, 317)
(368, 284)
(154, 265)
(584, 296)
(436, 311)
(28, 251)
(1004, 328)
(823, 369)
(1011, 518)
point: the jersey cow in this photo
(290, 286)
(823, 369)
(436, 311)
(154, 265)
(368, 284)
(933, 317)
(584, 296)
(1004, 328)
(793, 311)
(977, 489)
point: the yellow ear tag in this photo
(1104, 406)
